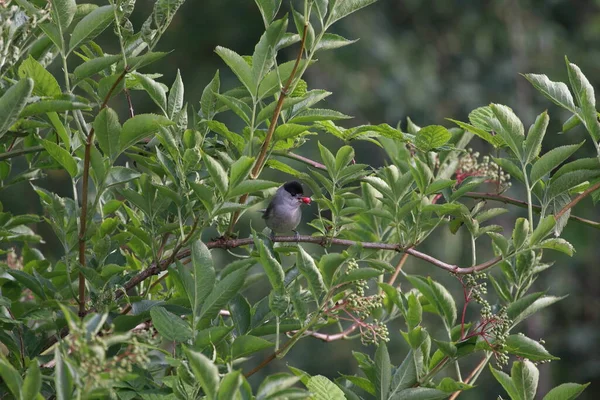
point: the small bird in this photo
(283, 213)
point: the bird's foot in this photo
(296, 236)
(272, 236)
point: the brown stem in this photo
(523, 204)
(300, 158)
(398, 268)
(129, 103)
(265, 146)
(84, 197)
(335, 336)
(577, 199)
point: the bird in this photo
(283, 214)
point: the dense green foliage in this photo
(139, 305)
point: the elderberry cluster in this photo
(469, 165)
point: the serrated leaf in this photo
(331, 41)
(91, 26)
(118, 175)
(432, 137)
(308, 269)
(342, 9)
(506, 383)
(11, 378)
(45, 83)
(557, 92)
(250, 186)
(94, 66)
(63, 381)
(405, 375)
(558, 244)
(217, 173)
(322, 388)
(169, 325)
(141, 126)
(272, 267)
(246, 345)
(520, 232)
(535, 136)
(32, 384)
(154, 89)
(449, 385)
(264, 52)
(268, 9)
(175, 102)
(12, 103)
(530, 304)
(63, 12)
(496, 141)
(240, 169)
(222, 292)
(584, 93)
(205, 371)
(444, 300)
(383, 374)
(566, 391)
(61, 156)
(551, 160)
(509, 127)
(522, 346)
(569, 180)
(204, 276)
(208, 101)
(46, 106)
(229, 387)
(525, 376)
(108, 131)
(239, 66)
(317, 114)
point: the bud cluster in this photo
(469, 165)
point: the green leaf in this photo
(566, 391)
(432, 137)
(557, 92)
(175, 96)
(444, 301)
(522, 346)
(63, 382)
(525, 376)
(140, 62)
(420, 393)
(520, 232)
(496, 141)
(509, 127)
(108, 130)
(94, 66)
(239, 66)
(91, 26)
(223, 291)
(169, 325)
(33, 381)
(331, 41)
(551, 160)
(204, 276)
(535, 136)
(60, 129)
(414, 313)
(405, 375)
(12, 103)
(118, 175)
(528, 305)
(141, 126)
(569, 180)
(61, 156)
(45, 83)
(344, 8)
(317, 114)
(63, 12)
(250, 186)
(51, 30)
(584, 93)
(506, 383)
(217, 173)
(222, 130)
(342, 158)
(46, 106)
(272, 267)
(205, 371)
(307, 267)
(229, 386)
(240, 169)
(363, 273)
(544, 227)
(11, 377)
(208, 101)
(246, 345)
(383, 371)
(268, 9)
(154, 89)
(449, 385)
(322, 388)
(558, 244)
(264, 52)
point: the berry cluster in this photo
(469, 165)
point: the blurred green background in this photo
(427, 60)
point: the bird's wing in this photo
(267, 211)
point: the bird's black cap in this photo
(294, 188)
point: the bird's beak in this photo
(305, 200)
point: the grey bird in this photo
(283, 213)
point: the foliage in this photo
(139, 305)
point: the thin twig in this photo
(20, 152)
(300, 158)
(128, 96)
(84, 196)
(577, 199)
(471, 375)
(522, 204)
(398, 268)
(265, 146)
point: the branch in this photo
(479, 366)
(17, 153)
(300, 158)
(265, 146)
(577, 199)
(335, 336)
(398, 268)
(523, 204)
(84, 196)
